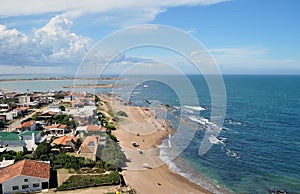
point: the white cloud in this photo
(51, 44)
(128, 12)
(56, 39)
(11, 38)
(255, 59)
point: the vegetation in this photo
(35, 117)
(42, 150)
(122, 113)
(62, 108)
(108, 132)
(112, 154)
(78, 181)
(3, 124)
(59, 96)
(12, 155)
(63, 160)
(110, 112)
(97, 99)
(64, 119)
(111, 127)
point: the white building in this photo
(24, 99)
(25, 176)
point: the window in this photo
(24, 186)
(36, 184)
(15, 187)
(25, 180)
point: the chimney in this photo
(33, 139)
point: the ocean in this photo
(258, 150)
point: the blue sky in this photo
(243, 36)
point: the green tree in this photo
(42, 149)
(112, 154)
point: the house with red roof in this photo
(67, 142)
(56, 130)
(25, 176)
(27, 126)
(90, 148)
(47, 115)
(90, 130)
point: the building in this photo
(27, 126)
(25, 176)
(56, 130)
(90, 148)
(68, 143)
(85, 115)
(47, 115)
(12, 141)
(54, 108)
(31, 139)
(90, 130)
(24, 100)
(6, 163)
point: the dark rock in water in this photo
(278, 191)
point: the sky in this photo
(242, 36)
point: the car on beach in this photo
(134, 144)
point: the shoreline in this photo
(149, 133)
(57, 79)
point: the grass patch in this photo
(82, 181)
(122, 113)
(111, 112)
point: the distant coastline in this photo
(93, 86)
(57, 78)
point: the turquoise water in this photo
(259, 150)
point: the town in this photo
(47, 136)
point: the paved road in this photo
(17, 122)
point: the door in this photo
(45, 185)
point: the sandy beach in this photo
(145, 171)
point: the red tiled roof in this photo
(26, 168)
(59, 126)
(86, 150)
(62, 126)
(93, 128)
(63, 140)
(22, 108)
(26, 124)
(49, 113)
(89, 139)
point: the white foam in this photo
(214, 140)
(188, 110)
(203, 121)
(232, 122)
(232, 154)
(195, 108)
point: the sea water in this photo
(258, 150)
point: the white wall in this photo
(19, 181)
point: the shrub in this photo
(122, 113)
(77, 181)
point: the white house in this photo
(24, 100)
(25, 176)
(27, 126)
(54, 108)
(56, 130)
(6, 163)
(31, 139)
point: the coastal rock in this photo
(278, 191)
